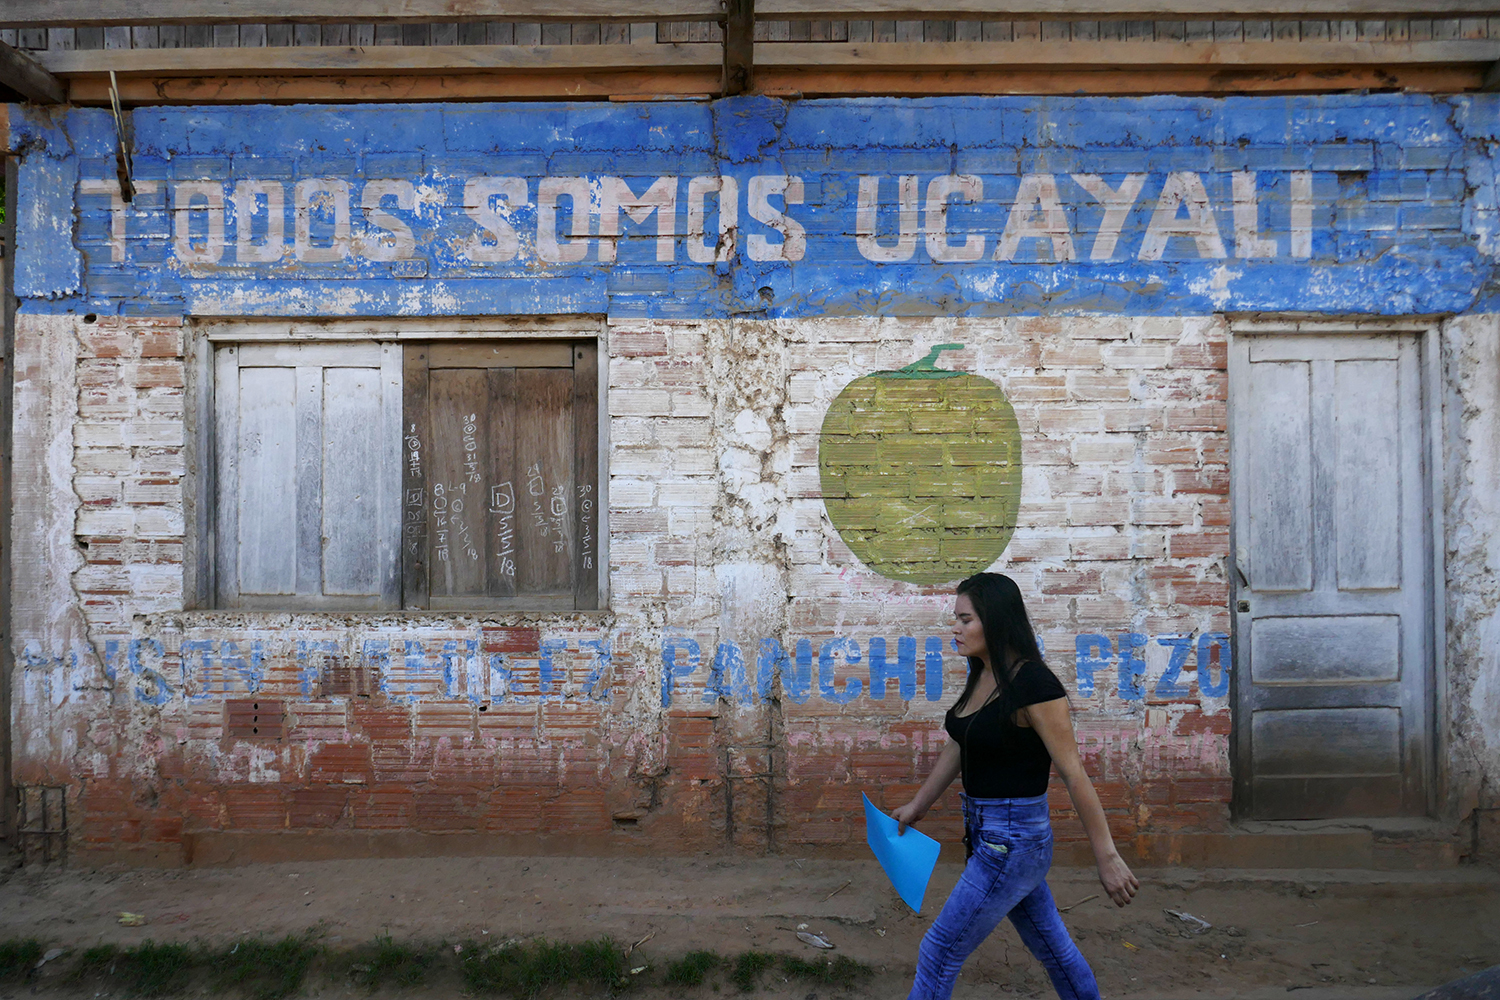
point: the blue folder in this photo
(908, 859)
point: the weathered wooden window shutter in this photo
(308, 465)
(500, 459)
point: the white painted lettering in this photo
(1117, 204)
(867, 210)
(793, 243)
(728, 189)
(1302, 206)
(1036, 214)
(397, 241)
(1247, 239)
(117, 209)
(496, 240)
(939, 190)
(548, 247)
(184, 193)
(615, 196)
(247, 197)
(325, 196)
(1182, 187)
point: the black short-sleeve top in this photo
(1000, 759)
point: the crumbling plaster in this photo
(56, 668)
(1471, 354)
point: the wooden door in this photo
(1332, 555)
(500, 459)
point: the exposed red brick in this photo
(577, 812)
(317, 807)
(384, 807)
(249, 807)
(510, 640)
(446, 811)
(341, 762)
(1197, 722)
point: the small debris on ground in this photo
(1198, 924)
(1085, 899)
(632, 948)
(815, 940)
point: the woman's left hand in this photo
(1118, 882)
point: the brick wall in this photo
(172, 727)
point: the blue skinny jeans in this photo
(1005, 877)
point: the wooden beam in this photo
(850, 59)
(600, 85)
(942, 55)
(1076, 10)
(782, 81)
(382, 59)
(1210, 81)
(21, 73)
(739, 47)
(72, 13)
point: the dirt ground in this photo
(1324, 935)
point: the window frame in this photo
(201, 562)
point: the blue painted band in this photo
(1381, 204)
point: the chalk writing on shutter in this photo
(503, 511)
(499, 493)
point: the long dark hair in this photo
(1007, 630)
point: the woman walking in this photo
(1006, 731)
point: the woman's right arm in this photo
(943, 773)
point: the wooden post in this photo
(739, 47)
(7, 383)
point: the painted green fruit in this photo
(921, 471)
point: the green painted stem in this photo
(926, 367)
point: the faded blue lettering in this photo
(726, 676)
(152, 688)
(828, 668)
(1086, 663)
(1181, 645)
(903, 671)
(798, 682)
(594, 686)
(310, 670)
(932, 667)
(770, 665)
(1209, 644)
(674, 670)
(550, 648)
(1132, 666)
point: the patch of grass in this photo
(19, 957)
(525, 969)
(384, 960)
(96, 961)
(152, 970)
(746, 970)
(690, 969)
(265, 970)
(841, 971)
